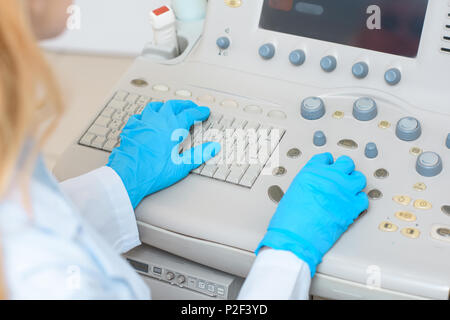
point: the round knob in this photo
(371, 150)
(181, 279)
(328, 63)
(429, 164)
(223, 43)
(267, 51)
(360, 70)
(365, 109)
(393, 76)
(312, 108)
(448, 141)
(319, 139)
(408, 129)
(297, 57)
(170, 276)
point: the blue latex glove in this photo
(321, 203)
(147, 159)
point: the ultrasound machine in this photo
(365, 78)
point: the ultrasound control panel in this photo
(367, 79)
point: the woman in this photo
(62, 241)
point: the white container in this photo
(189, 10)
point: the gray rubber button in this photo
(294, 153)
(365, 109)
(408, 129)
(319, 139)
(267, 51)
(312, 108)
(348, 144)
(429, 164)
(371, 150)
(360, 70)
(393, 76)
(223, 43)
(275, 193)
(375, 194)
(448, 141)
(328, 63)
(297, 57)
(446, 209)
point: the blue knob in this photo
(448, 141)
(408, 129)
(429, 164)
(319, 139)
(223, 43)
(328, 63)
(267, 51)
(365, 109)
(297, 57)
(393, 76)
(312, 108)
(371, 150)
(360, 70)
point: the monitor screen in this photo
(389, 26)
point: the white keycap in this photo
(114, 134)
(110, 145)
(132, 98)
(115, 124)
(99, 142)
(144, 100)
(239, 124)
(99, 131)
(250, 175)
(209, 170)
(87, 139)
(108, 112)
(237, 171)
(222, 172)
(102, 121)
(199, 169)
(121, 95)
(116, 104)
(131, 108)
(226, 121)
(252, 125)
(119, 115)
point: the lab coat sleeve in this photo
(103, 201)
(277, 275)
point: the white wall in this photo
(116, 27)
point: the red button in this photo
(161, 10)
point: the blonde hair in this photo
(30, 104)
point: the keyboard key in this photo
(209, 170)
(99, 142)
(119, 115)
(237, 171)
(222, 172)
(110, 145)
(87, 139)
(116, 104)
(115, 124)
(132, 98)
(199, 169)
(121, 95)
(99, 131)
(144, 100)
(250, 175)
(102, 121)
(108, 112)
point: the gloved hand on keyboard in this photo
(321, 203)
(148, 158)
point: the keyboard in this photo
(246, 145)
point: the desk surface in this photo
(85, 81)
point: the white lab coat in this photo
(68, 245)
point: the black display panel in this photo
(390, 26)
